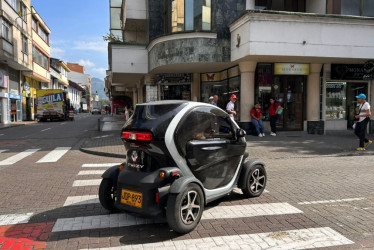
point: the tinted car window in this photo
(202, 123)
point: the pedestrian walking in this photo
(230, 107)
(362, 118)
(256, 118)
(273, 114)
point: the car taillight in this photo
(137, 136)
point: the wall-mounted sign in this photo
(291, 69)
(352, 71)
(26, 87)
(3, 79)
(211, 77)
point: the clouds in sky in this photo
(84, 52)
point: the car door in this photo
(212, 151)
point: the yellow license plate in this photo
(131, 198)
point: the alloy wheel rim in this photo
(257, 181)
(190, 207)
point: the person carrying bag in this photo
(362, 118)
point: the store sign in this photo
(352, 71)
(211, 77)
(174, 78)
(26, 87)
(3, 79)
(291, 69)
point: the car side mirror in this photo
(240, 132)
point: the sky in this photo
(77, 30)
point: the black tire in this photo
(184, 210)
(255, 181)
(107, 195)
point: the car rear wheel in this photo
(184, 210)
(107, 195)
(255, 181)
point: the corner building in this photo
(312, 56)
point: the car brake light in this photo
(137, 136)
(157, 197)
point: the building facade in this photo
(312, 56)
(77, 75)
(39, 77)
(15, 57)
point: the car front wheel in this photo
(107, 195)
(255, 181)
(184, 210)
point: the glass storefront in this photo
(336, 100)
(175, 86)
(281, 82)
(222, 84)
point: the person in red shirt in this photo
(273, 113)
(256, 118)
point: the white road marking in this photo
(123, 219)
(239, 191)
(99, 165)
(1, 134)
(292, 239)
(63, 123)
(83, 183)
(15, 158)
(45, 129)
(91, 172)
(331, 201)
(3, 150)
(13, 219)
(82, 200)
(103, 136)
(54, 155)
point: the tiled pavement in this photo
(230, 223)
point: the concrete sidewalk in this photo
(286, 145)
(16, 124)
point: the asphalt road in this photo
(48, 194)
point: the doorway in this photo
(289, 92)
(353, 90)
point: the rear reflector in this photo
(157, 197)
(137, 136)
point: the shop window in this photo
(335, 100)
(190, 15)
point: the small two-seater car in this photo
(181, 155)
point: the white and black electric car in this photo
(180, 156)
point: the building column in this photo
(140, 92)
(195, 87)
(247, 92)
(134, 97)
(314, 123)
(250, 5)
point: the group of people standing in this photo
(256, 117)
(362, 117)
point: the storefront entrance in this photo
(176, 92)
(353, 90)
(289, 92)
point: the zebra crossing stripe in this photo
(15, 158)
(124, 220)
(82, 200)
(13, 219)
(99, 165)
(91, 172)
(291, 239)
(54, 155)
(83, 183)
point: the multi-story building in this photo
(39, 77)
(77, 75)
(312, 56)
(59, 74)
(75, 95)
(15, 58)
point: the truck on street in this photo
(52, 104)
(96, 107)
